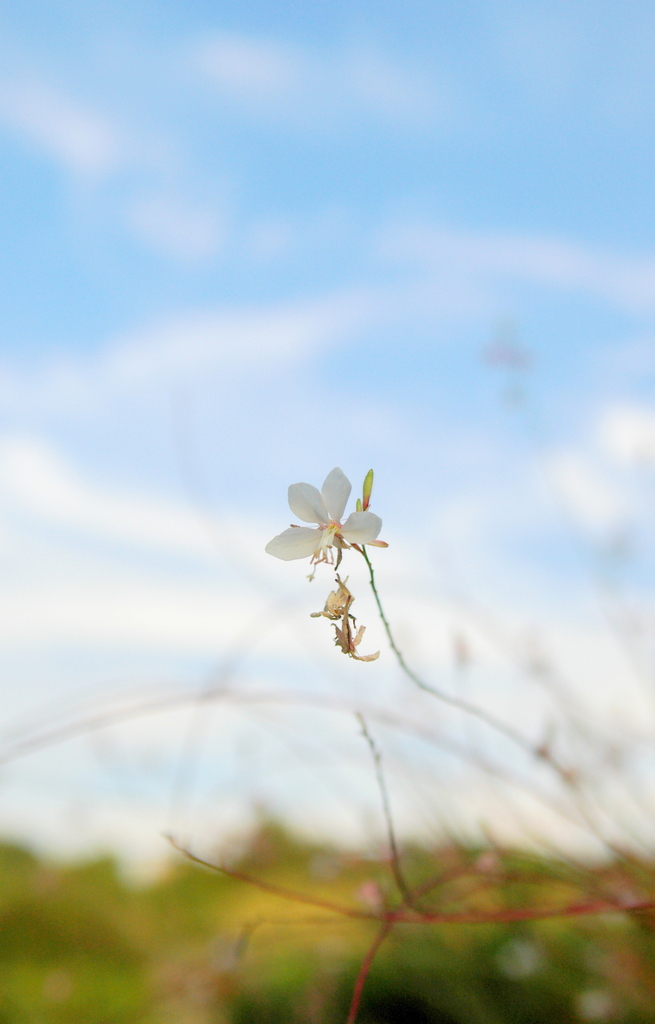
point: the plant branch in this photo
(459, 702)
(276, 890)
(396, 867)
(365, 969)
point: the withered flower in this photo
(347, 636)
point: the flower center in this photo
(324, 549)
(327, 537)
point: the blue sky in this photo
(244, 243)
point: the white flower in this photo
(324, 507)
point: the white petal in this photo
(336, 491)
(361, 527)
(306, 502)
(297, 542)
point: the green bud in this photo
(359, 505)
(368, 487)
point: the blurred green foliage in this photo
(82, 945)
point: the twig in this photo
(276, 890)
(458, 702)
(365, 969)
(396, 867)
(167, 701)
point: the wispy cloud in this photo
(253, 70)
(274, 335)
(123, 609)
(84, 581)
(119, 154)
(189, 345)
(394, 92)
(317, 90)
(625, 282)
(589, 493)
(77, 137)
(176, 228)
(38, 481)
(627, 433)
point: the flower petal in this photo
(335, 492)
(297, 542)
(306, 502)
(361, 527)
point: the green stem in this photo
(455, 702)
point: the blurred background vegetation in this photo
(79, 944)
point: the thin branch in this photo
(396, 867)
(459, 702)
(167, 701)
(408, 915)
(365, 969)
(586, 908)
(276, 890)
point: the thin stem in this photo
(365, 969)
(386, 807)
(276, 890)
(458, 702)
(539, 752)
(408, 915)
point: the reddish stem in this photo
(277, 890)
(365, 968)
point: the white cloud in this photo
(69, 132)
(190, 345)
(133, 613)
(272, 336)
(39, 481)
(627, 433)
(588, 494)
(628, 283)
(66, 592)
(315, 89)
(251, 69)
(392, 91)
(176, 228)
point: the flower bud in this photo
(368, 487)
